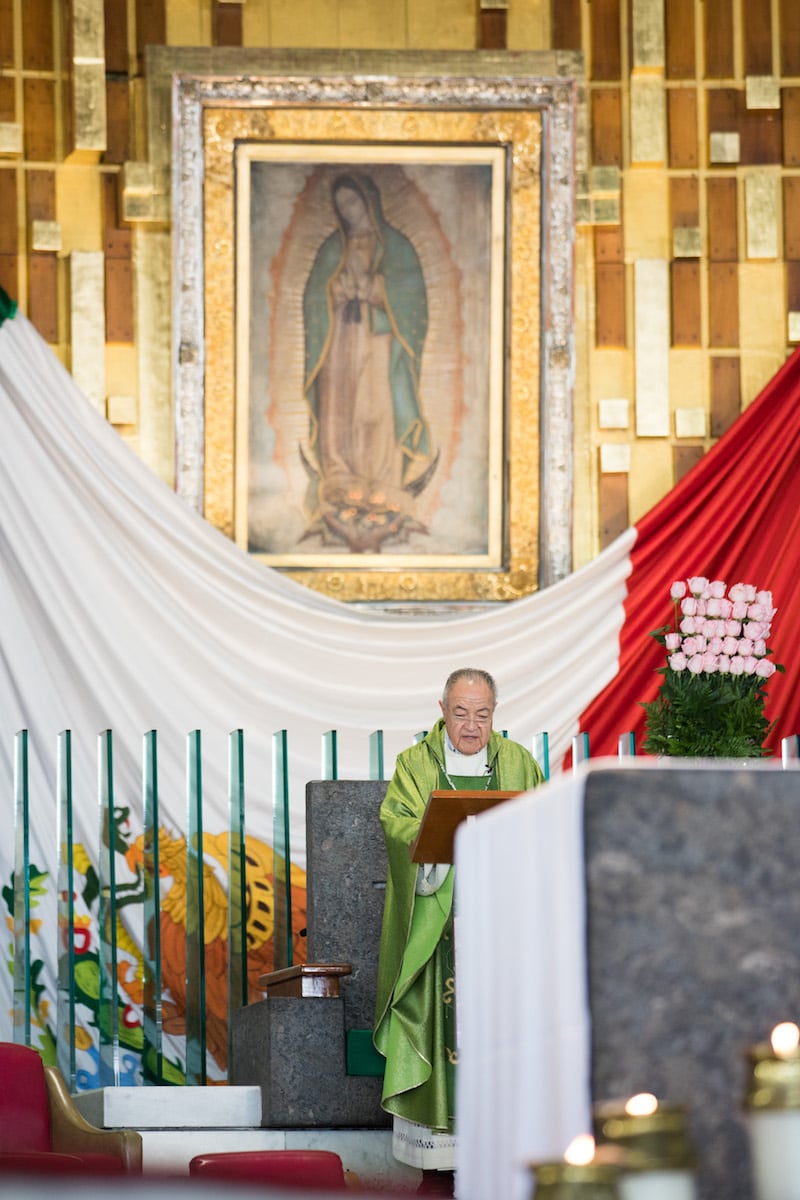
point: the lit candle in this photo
(773, 1101)
(585, 1174)
(659, 1160)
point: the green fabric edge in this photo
(8, 307)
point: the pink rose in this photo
(689, 606)
(764, 598)
(733, 628)
(737, 592)
(745, 647)
(695, 664)
(688, 625)
(677, 662)
(691, 645)
(749, 593)
(714, 607)
(726, 608)
(678, 590)
(710, 662)
(730, 645)
(754, 629)
(758, 612)
(739, 610)
(716, 645)
(701, 606)
(765, 668)
(737, 665)
(698, 585)
(724, 664)
(759, 648)
(717, 588)
(673, 641)
(750, 664)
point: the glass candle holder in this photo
(659, 1162)
(772, 1101)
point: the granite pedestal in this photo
(304, 1051)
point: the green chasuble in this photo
(415, 969)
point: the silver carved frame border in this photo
(558, 99)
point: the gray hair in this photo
(469, 675)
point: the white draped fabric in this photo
(523, 1009)
(123, 609)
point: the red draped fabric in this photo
(735, 516)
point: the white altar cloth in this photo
(523, 1081)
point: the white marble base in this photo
(171, 1108)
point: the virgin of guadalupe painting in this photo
(370, 383)
(365, 319)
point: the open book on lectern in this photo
(443, 814)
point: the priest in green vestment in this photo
(415, 1013)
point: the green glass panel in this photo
(580, 749)
(106, 868)
(22, 893)
(65, 994)
(541, 752)
(281, 870)
(195, 917)
(626, 745)
(376, 754)
(237, 883)
(330, 755)
(152, 1021)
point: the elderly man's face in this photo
(468, 715)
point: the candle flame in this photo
(785, 1039)
(643, 1104)
(580, 1151)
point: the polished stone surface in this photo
(694, 941)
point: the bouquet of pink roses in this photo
(711, 703)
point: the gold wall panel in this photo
(651, 332)
(648, 33)
(87, 333)
(761, 214)
(648, 120)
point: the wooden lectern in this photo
(443, 814)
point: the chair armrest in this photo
(72, 1134)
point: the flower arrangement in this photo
(711, 703)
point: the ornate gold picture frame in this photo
(505, 341)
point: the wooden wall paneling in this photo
(606, 48)
(40, 195)
(684, 201)
(606, 127)
(723, 304)
(40, 119)
(37, 35)
(614, 508)
(757, 30)
(610, 304)
(9, 278)
(8, 99)
(118, 122)
(227, 23)
(683, 459)
(760, 134)
(151, 27)
(609, 244)
(718, 18)
(565, 17)
(682, 128)
(6, 33)
(492, 29)
(115, 14)
(680, 48)
(791, 217)
(9, 231)
(723, 110)
(790, 125)
(118, 248)
(789, 37)
(723, 234)
(793, 286)
(726, 394)
(43, 294)
(687, 320)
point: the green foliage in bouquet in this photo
(711, 702)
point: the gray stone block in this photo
(693, 942)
